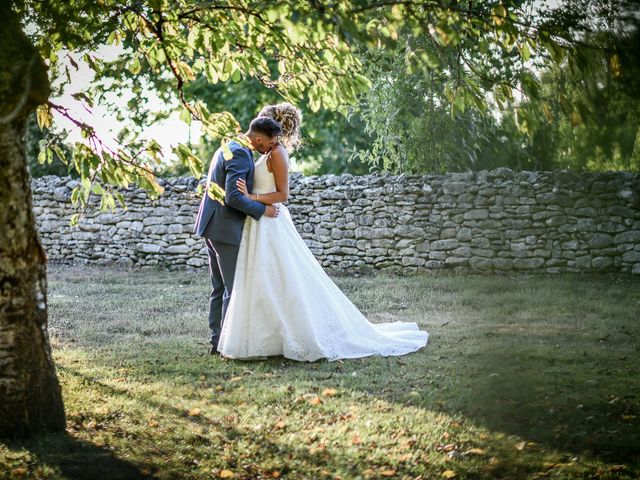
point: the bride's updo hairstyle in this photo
(290, 118)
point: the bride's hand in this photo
(242, 187)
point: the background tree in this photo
(408, 115)
(572, 105)
(592, 113)
(329, 136)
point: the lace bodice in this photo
(263, 179)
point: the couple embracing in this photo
(269, 295)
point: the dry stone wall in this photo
(495, 221)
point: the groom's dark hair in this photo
(265, 125)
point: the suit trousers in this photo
(222, 266)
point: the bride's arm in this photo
(280, 167)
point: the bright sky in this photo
(167, 133)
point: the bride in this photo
(283, 303)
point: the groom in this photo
(221, 224)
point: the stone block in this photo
(527, 263)
(448, 244)
(476, 214)
(148, 247)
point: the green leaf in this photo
(556, 51)
(460, 101)
(97, 189)
(228, 66)
(499, 14)
(135, 67)
(83, 96)
(185, 116)
(114, 37)
(120, 199)
(192, 36)
(363, 82)
(226, 151)
(212, 74)
(76, 195)
(191, 161)
(107, 202)
(525, 52)
(216, 192)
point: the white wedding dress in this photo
(283, 302)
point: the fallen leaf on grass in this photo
(355, 440)
(449, 474)
(388, 473)
(329, 392)
(194, 412)
(19, 471)
(408, 443)
(153, 423)
(551, 465)
(235, 379)
(317, 448)
(315, 401)
(475, 451)
(446, 448)
(280, 425)
(520, 446)
(225, 474)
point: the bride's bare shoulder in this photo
(278, 149)
(277, 157)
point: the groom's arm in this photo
(238, 168)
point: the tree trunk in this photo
(30, 397)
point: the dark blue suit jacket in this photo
(223, 223)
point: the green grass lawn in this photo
(530, 376)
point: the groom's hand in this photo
(271, 211)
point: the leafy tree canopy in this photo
(304, 50)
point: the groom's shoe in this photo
(213, 350)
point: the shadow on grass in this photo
(575, 409)
(295, 460)
(575, 404)
(314, 463)
(528, 404)
(74, 458)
